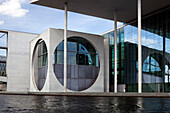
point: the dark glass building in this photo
(155, 54)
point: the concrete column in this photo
(65, 48)
(163, 62)
(115, 51)
(139, 49)
(106, 65)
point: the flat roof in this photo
(126, 9)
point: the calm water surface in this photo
(63, 104)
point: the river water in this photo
(63, 104)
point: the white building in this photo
(35, 62)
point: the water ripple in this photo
(63, 104)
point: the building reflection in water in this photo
(63, 104)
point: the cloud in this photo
(1, 22)
(13, 8)
(149, 42)
(145, 41)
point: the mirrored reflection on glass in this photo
(80, 52)
(40, 64)
(3, 39)
(155, 54)
(82, 63)
(3, 59)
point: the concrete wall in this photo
(18, 61)
(52, 38)
(34, 62)
(106, 65)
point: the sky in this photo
(20, 15)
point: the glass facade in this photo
(3, 53)
(82, 63)
(120, 57)
(40, 64)
(42, 54)
(3, 66)
(80, 52)
(155, 54)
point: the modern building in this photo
(35, 62)
(65, 61)
(85, 62)
(155, 54)
(15, 48)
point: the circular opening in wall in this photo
(40, 65)
(82, 63)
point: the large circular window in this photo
(82, 63)
(40, 64)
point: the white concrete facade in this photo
(106, 64)
(52, 37)
(21, 58)
(18, 61)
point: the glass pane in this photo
(80, 52)
(42, 54)
(61, 46)
(60, 57)
(3, 39)
(3, 52)
(72, 46)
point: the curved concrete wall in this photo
(34, 61)
(52, 38)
